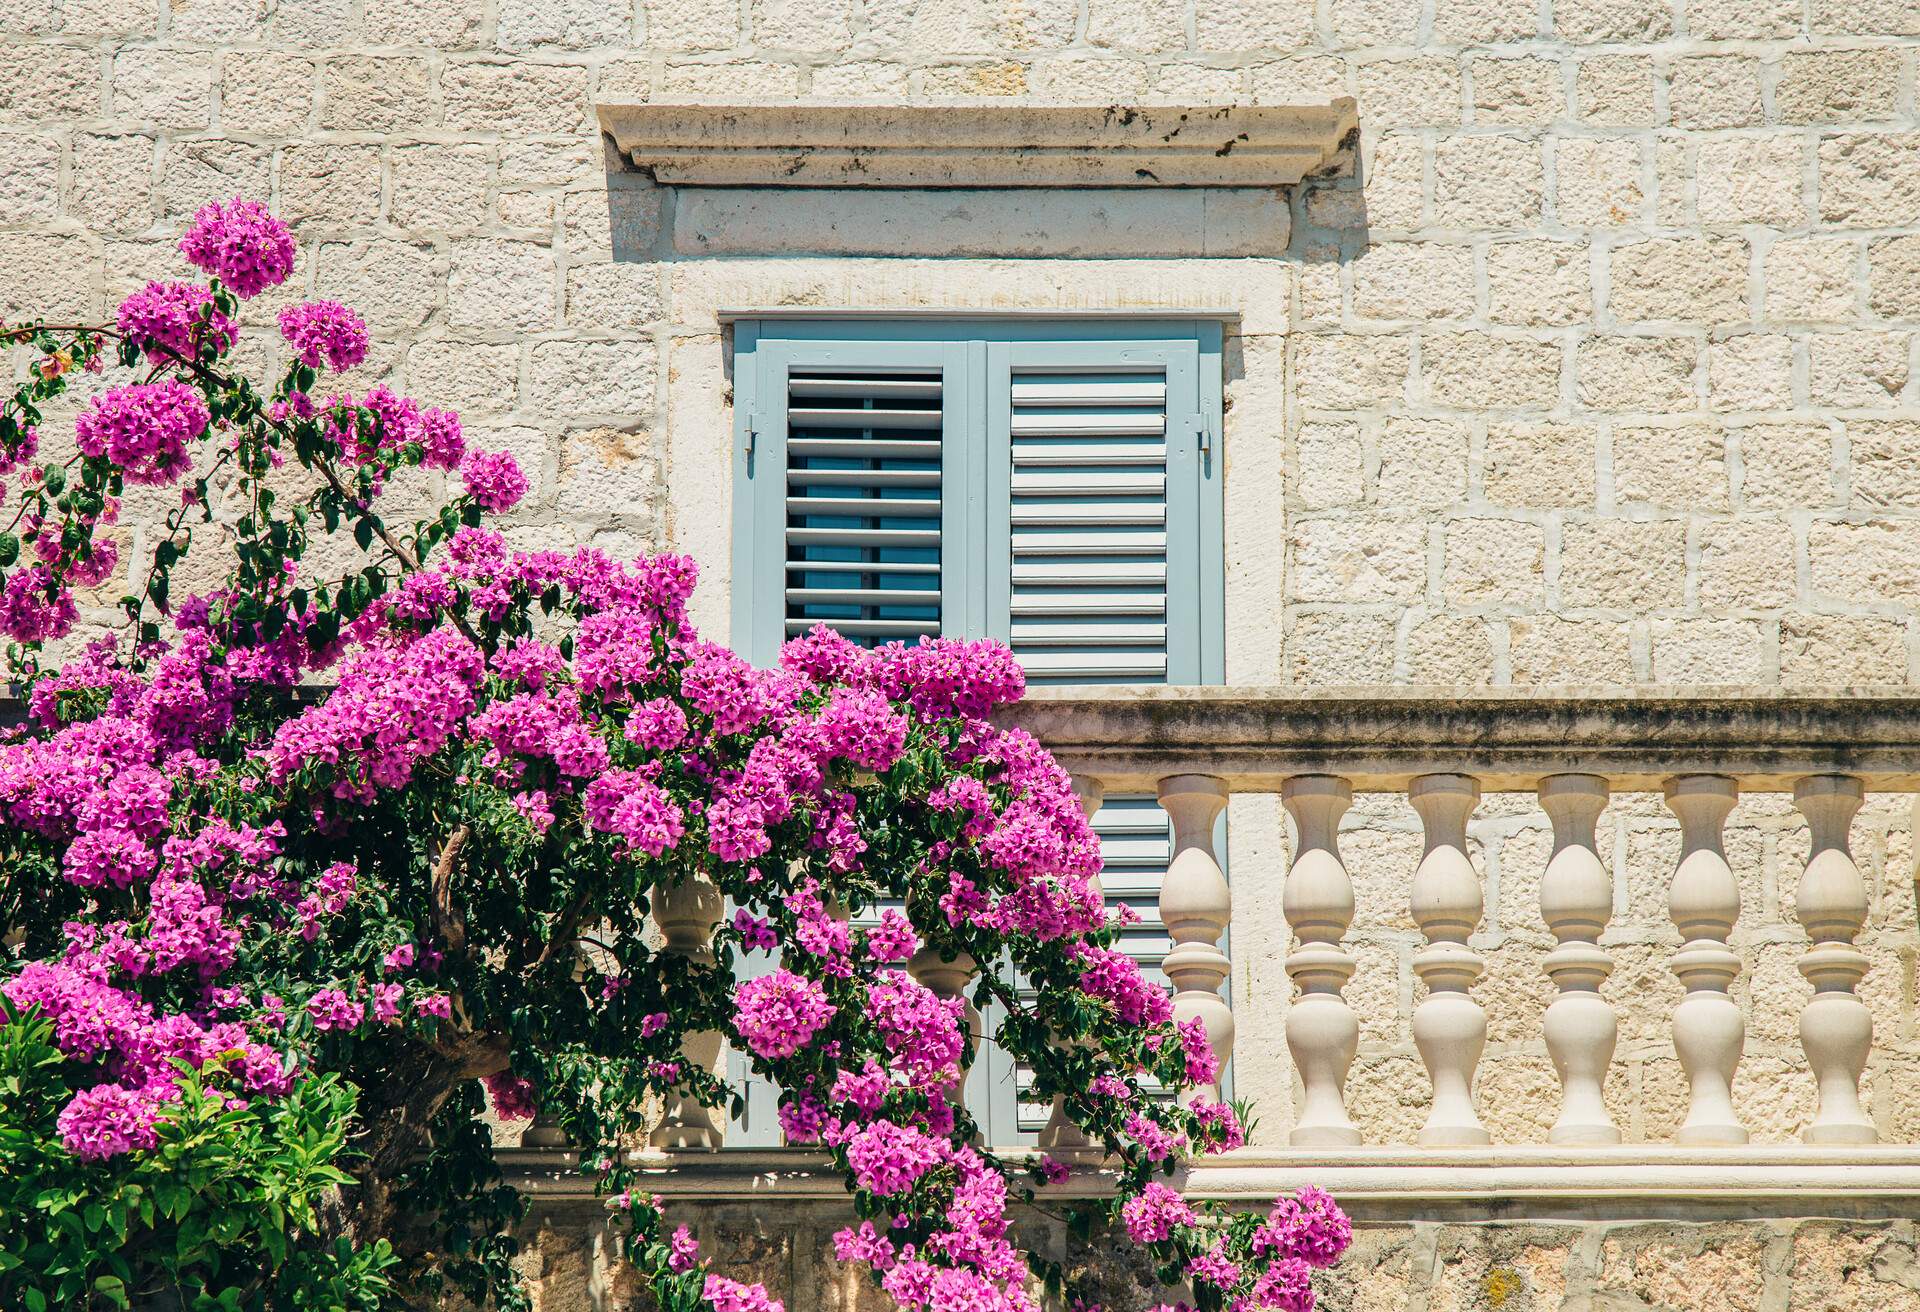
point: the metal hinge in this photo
(753, 429)
(1202, 433)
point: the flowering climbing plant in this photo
(297, 865)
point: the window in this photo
(1053, 484)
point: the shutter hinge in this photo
(753, 429)
(1202, 433)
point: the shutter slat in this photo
(1041, 567)
(872, 448)
(1089, 390)
(1103, 512)
(862, 596)
(1073, 483)
(881, 478)
(865, 507)
(810, 417)
(1089, 603)
(873, 538)
(1101, 631)
(863, 503)
(1092, 423)
(1041, 453)
(869, 628)
(865, 389)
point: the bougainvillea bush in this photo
(295, 867)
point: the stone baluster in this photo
(1060, 1135)
(687, 914)
(1322, 1032)
(949, 979)
(1449, 1027)
(1704, 901)
(1576, 901)
(1836, 1029)
(1196, 906)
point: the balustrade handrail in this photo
(1379, 739)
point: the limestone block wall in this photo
(1599, 368)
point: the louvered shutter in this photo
(1088, 526)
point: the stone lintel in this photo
(978, 144)
(1380, 738)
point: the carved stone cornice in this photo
(978, 144)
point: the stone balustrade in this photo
(1336, 973)
(1577, 754)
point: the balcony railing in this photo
(1631, 1070)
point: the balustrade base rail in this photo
(1782, 1180)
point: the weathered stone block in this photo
(1539, 464)
(1786, 466)
(1518, 91)
(1364, 558)
(1858, 370)
(1698, 280)
(1597, 182)
(1545, 649)
(1494, 562)
(1622, 564)
(1539, 282)
(1870, 179)
(1637, 373)
(1336, 647)
(515, 98)
(1813, 278)
(1751, 180)
(1838, 86)
(1713, 91)
(1482, 370)
(1414, 281)
(501, 284)
(1349, 372)
(373, 94)
(1679, 468)
(1746, 564)
(1487, 181)
(1750, 371)
(615, 379)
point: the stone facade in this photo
(1600, 366)
(1597, 363)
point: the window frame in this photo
(981, 355)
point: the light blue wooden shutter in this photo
(852, 495)
(1109, 572)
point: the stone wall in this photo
(1601, 367)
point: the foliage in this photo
(338, 912)
(224, 1204)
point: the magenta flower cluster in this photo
(144, 428)
(241, 244)
(171, 320)
(325, 333)
(859, 808)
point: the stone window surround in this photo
(1250, 297)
